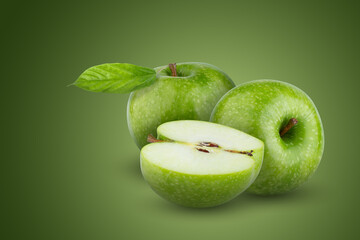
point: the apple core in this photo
(206, 147)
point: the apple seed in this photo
(202, 150)
(208, 144)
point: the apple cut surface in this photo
(201, 164)
(188, 159)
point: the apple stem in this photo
(152, 139)
(292, 122)
(172, 67)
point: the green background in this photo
(70, 168)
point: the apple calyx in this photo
(172, 67)
(202, 146)
(292, 122)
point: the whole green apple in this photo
(200, 164)
(286, 120)
(182, 91)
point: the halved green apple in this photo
(200, 164)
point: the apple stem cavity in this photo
(172, 67)
(292, 122)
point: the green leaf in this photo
(115, 78)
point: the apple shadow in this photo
(129, 167)
(248, 202)
(134, 167)
(243, 202)
(297, 194)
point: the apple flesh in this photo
(286, 120)
(187, 91)
(200, 164)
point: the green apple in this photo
(200, 164)
(184, 91)
(286, 120)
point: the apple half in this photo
(200, 164)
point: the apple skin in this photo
(197, 191)
(191, 95)
(262, 108)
